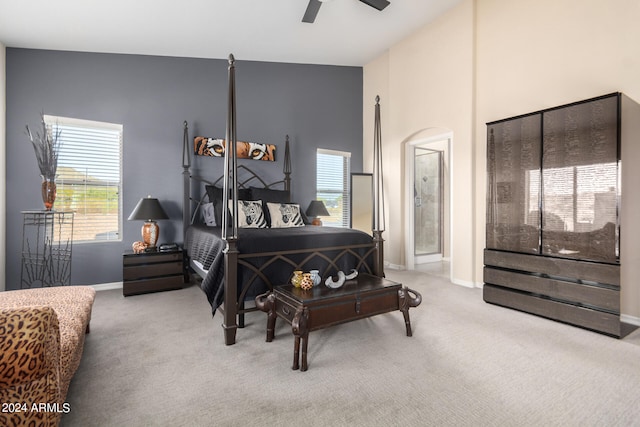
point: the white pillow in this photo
(250, 214)
(208, 214)
(285, 215)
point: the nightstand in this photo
(152, 272)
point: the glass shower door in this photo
(428, 202)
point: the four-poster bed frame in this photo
(367, 256)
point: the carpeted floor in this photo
(160, 359)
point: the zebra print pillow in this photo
(284, 215)
(250, 214)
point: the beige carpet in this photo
(159, 359)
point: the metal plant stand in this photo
(47, 240)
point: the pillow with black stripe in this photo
(269, 195)
(215, 196)
(250, 214)
(285, 215)
(274, 196)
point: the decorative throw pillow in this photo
(270, 195)
(284, 215)
(208, 214)
(250, 214)
(215, 195)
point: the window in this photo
(89, 177)
(332, 185)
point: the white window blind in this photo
(89, 177)
(332, 185)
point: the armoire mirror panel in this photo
(513, 184)
(580, 181)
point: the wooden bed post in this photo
(230, 191)
(229, 322)
(286, 169)
(186, 178)
(378, 194)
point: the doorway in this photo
(427, 204)
(427, 201)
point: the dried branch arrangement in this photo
(46, 145)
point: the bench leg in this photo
(267, 303)
(408, 298)
(296, 353)
(271, 325)
(300, 331)
(305, 342)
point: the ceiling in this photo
(346, 32)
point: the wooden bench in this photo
(322, 307)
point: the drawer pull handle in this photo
(286, 310)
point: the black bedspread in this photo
(269, 252)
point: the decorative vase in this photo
(297, 278)
(48, 192)
(307, 282)
(315, 276)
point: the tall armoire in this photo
(562, 213)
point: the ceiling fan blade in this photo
(312, 10)
(378, 4)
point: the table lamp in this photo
(317, 209)
(148, 210)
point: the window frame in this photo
(53, 122)
(346, 184)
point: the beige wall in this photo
(3, 169)
(486, 60)
(424, 83)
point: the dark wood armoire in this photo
(553, 229)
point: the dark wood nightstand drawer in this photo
(151, 257)
(152, 272)
(152, 285)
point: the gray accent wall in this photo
(318, 106)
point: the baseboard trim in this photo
(107, 286)
(632, 320)
(393, 266)
(464, 283)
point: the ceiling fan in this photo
(314, 6)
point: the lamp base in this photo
(150, 234)
(316, 221)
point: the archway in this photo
(427, 202)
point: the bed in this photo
(238, 259)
